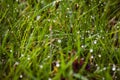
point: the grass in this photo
(59, 40)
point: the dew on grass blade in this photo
(82, 38)
(22, 55)
(78, 32)
(21, 76)
(37, 18)
(11, 51)
(59, 41)
(104, 68)
(98, 68)
(95, 42)
(92, 17)
(57, 64)
(54, 21)
(28, 58)
(99, 55)
(96, 65)
(16, 63)
(49, 79)
(82, 46)
(103, 78)
(103, 37)
(114, 67)
(49, 20)
(116, 77)
(92, 56)
(28, 16)
(48, 57)
(118, 69)
(8, 5)
(41, 66)
(91, 50)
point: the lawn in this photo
(59, 39)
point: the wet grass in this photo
(59, 40)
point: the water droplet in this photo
(95, 42)
(22, 55)
(78, 32)
(68, 8)
(82, 38)
(92, 17)
(16, 63)
(28, 16)
(49, 79)
(99, 55)
(28, 58)
(11, 51)
(37, 18)
(49, 20)
(117, 27)
(116, 77)
(54, 21)
(103, 37)
(8, 5)
(104, 68)
(91, 50)
(41, 66)
(98, 68)
(118, 69)
(48, 57)
(103, 78)
(92, 57)
(57, 64)
(82, 46)
(96, 64)
(21, 76)
(59, 41)
(113, 68)
(3, 53)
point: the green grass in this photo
(59, 40)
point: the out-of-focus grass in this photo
(64, 40)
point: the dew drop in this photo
(48, 57)
(57, 64)
(37, 18)
(113, 68)
(103, 78)
(78, 32)
(16, 63)
(28, 58)
(41, 66)
(104, 68)
(99, 55)
(92, 57)
(59, 41)
(118, 69)
(82, 46)
(22, 55)
(54, 21)
(11, 51)
(91, 50)
(95, 42)
(49, 79)
(21, 76)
